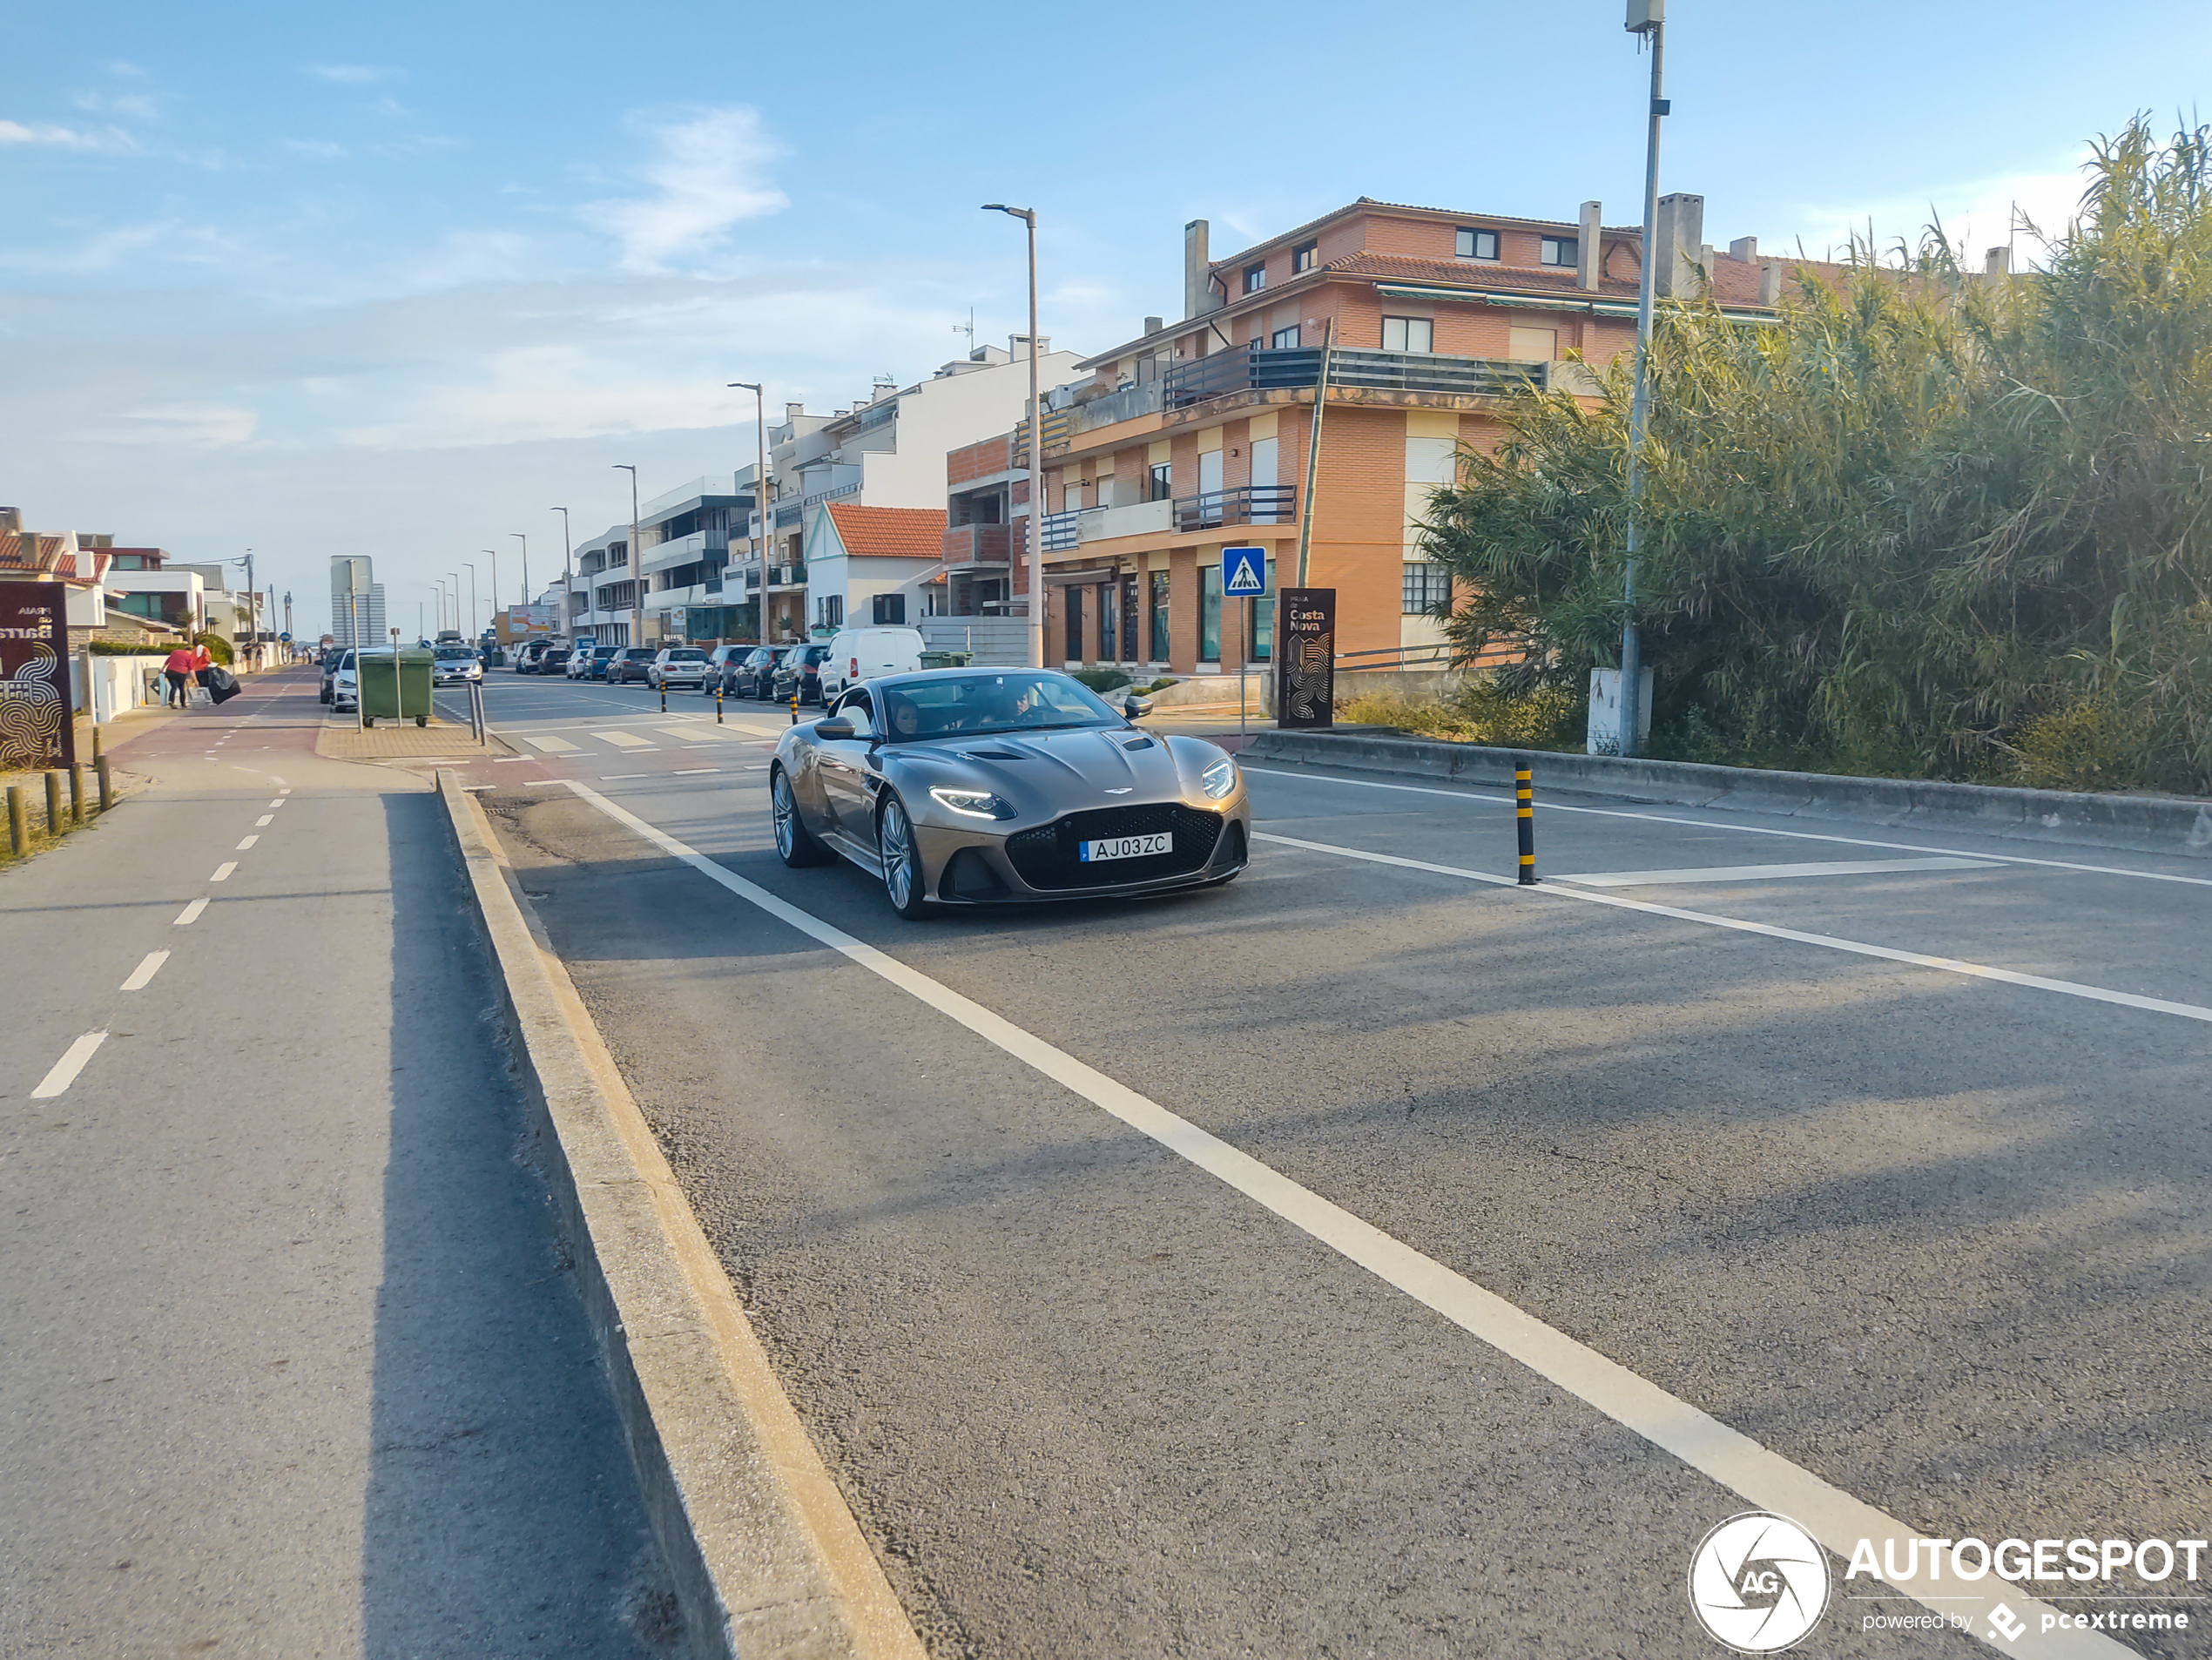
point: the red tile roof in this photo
(893, 532)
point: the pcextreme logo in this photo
(1758, 1583)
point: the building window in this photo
(1162, 487)
(1306, 256)
(1284, 339)
(1426, 587)
(1408, 334)
(1254, 278)
(1477, 244)
(1210, 613)
(1073, 598)
(1109, 604)
(889, 608)
(833, 610)
(1159, 580)
(1560, 250)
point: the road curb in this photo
(766, 1558)
(2137, 823)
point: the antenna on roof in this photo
(967, 328)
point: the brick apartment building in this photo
(1194, 435)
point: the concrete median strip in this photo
(766, 1558)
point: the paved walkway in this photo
(293, 1365)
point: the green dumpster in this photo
(395, 686)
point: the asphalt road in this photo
(1776, 1142)
(289, 1364)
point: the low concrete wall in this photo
(2162, 824)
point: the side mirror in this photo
(834, 728)
(1136, 708)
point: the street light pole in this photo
(759, 498)
(1648, 18)
(1029, 217)
(637, 612)
(453, 578)
(568, 574)
(469, 633)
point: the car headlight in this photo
(1220, 779)
(972, 804)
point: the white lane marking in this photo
(65, 1069)
(624, 739)
(283, 792)
(1768, 872)
(617, 778)
(145, 972)
(265, 819)
(1505, 804)
(190, 914)
(223, 871)
(245, 844)
(760, 767)
(506, 760)
(692, 771)
(1733, 1459)
(274, 805)
(551, 745)
(1856, 947)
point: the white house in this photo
(869, 563)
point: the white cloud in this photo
(350, 74)
(710, 175)
(131, 106)
(110, 140)
(193, 426)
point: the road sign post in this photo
(1244, 575)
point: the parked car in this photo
(718, 662)
(596, 665)
(345, 687)
(451, 664)
(1063, 798)
(553, 660)
(747, 676)
(526, 656)
(579, 655)
(800, 671)
(676, 665)
(858, 654)
(630, 662)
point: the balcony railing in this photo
(1264, 371)
(972, 545)
(1252, 504)
(788, 575)
(1059, 427)
(1063, 532)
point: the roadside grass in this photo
(33, 785)
(1479, 711)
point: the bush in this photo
(1160, 685)
(2093, 744)
(1481, 711)
(1100, 680)
(218, 647)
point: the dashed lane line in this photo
(141, 975)
(65, 1071)
(245, 844)
(190, 914)
(1828, 941)
(1728, 1457)
(265, 819)
(223, 871)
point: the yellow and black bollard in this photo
(1524, 795)
(663, 697)
(717, 702)
(794, 705)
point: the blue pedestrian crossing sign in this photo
(1244, 572)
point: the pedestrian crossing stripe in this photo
(1244, 572)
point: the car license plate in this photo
(1125, 848)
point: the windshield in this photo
(455, 653)
(1019, 700)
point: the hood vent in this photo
(1139, 743)
(991, 755)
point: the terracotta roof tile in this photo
(893, 532)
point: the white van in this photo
(857, 654)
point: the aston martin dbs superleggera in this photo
(978, 787)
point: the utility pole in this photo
(1648, 18)
(637, 612)
(1029, 217)
(1313, 448)
(760, 495)
(568, 575)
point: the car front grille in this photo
(1046, 856)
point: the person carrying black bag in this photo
(221, 683)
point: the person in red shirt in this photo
(176, 672)
(202, 660)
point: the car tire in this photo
(900, 854)
(795, 843)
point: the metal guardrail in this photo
(1249, 505)
(1298, 367)
(1425, 656)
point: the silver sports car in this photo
(974, 787)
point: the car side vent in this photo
(991, 755)
(1138, 743)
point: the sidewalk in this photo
(295, 1366)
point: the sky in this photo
(398, 279)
